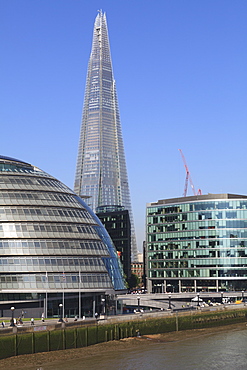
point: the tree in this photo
(133, 281)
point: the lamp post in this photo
(60, 312)
(12, 317)
(169, 306)
(138, 303)
(79, 296)
(103, 304)
(198, 297)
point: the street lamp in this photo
(221, 294)
(103, 305)
(169, 306)
(198, 298)
(138, 303)
(61, 312)
(12, 318)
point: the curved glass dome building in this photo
(53, 248)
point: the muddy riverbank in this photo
(41, 360)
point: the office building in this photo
(101, 174)
(117, 223)
(197, 243)
(137, 269)
(53, 248)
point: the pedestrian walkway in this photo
(37, 322)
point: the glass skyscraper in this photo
(101, 174)
(197, 243)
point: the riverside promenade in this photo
(53, 323)
(53, 336)
(177, 300)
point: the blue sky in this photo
(180, 69)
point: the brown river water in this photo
(216, 348)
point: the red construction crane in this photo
(188, 177)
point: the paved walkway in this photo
(6, 320)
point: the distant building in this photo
(197, 243)
(101, 172)
(137, 269)
(117, 223)
(140, 257)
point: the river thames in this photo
(226, 350)
(218, 348)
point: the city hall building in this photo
(197, 243)
(54, 251)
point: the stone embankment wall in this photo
(57, 338)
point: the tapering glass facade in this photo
(197, 243)
(101, 173)
(50, 241)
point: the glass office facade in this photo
(117, 223)
(197, 243)
(50, 241)
(101, 173)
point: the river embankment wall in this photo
(64, 336)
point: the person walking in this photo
(32, 321)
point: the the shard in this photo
(101, 174)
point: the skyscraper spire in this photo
(101, 172)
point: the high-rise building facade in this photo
(197, 243)
(101, 174)
(117, 223)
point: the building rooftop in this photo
(195, 198)
(10, 159)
